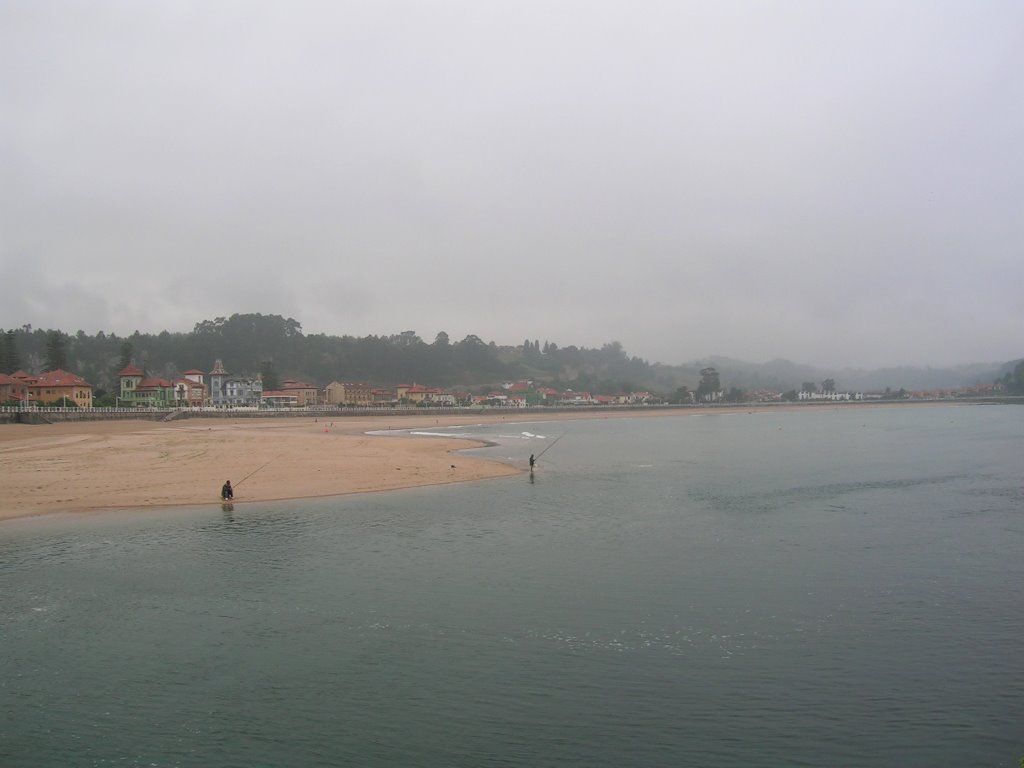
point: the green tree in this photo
(103, 399)
(126, 355)
(1015, 383)
(808, 386)
(268, 374)
(681, 396)
(828, 385)
(269, 377)
(56, 352)
(735, 395)
(709, 384)
(10, 360)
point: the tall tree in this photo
(56, 352)
(709, 384)
(10, 360)
(126, 355)
(271, 381)
(735, 395)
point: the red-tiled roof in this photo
(130, 370)
(153, 384)
(61, 378)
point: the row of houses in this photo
(831, 396)
(221, 389)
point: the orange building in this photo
(59, 387)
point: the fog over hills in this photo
(837, 182)
(783, 375)
(251, 342)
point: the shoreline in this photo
(88, 466)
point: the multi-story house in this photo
(198, 377)
(348, 393)
(13, 390)
(240, 390)
(228, 390)
(383, 397)
(139, 390)
(189, 393)
(305, 394)
(129, 378)
(58, 388)
(155, 393)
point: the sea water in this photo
(804, 588)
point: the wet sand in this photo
(82, 466)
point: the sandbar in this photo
(98, 465)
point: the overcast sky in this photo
(835, 183)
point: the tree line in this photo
(276, 347)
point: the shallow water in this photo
(807, 588)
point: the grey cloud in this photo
(834, 183)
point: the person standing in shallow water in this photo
(532, 462)
(227, 492)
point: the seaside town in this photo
(221, 389)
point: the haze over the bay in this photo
(835, 183)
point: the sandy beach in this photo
(82, 466)
(93, 465)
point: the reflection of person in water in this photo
(532, 462)
(227, 492)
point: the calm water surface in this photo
(789, 589)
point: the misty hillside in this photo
(278, 348)
(783, 375)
